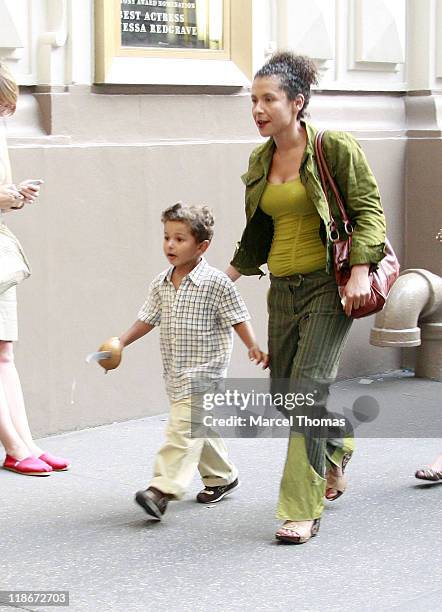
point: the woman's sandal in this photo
(336, 485)
(296, 532)
(432, 475)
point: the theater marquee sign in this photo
(168, 24)
(217, 30)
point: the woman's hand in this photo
(357, 290)
(232, 273)
(30, 190)
(10, 197)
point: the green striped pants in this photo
(307, 332)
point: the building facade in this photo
(127, 107)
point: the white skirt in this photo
(8, 315)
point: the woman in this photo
(23, 456)
(287, 228)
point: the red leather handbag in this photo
(383, 276)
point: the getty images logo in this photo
(364, 410)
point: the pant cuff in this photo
(213, 481)
(284, 517)
(336, 457)
(167, 486)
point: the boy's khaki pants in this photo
(181, 455)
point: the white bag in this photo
(14, 267)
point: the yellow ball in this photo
(112, 345)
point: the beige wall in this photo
(94, 238)
(424, 204)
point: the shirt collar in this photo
(196, 275)
(311, 134)
(261, 165)
(166, 275)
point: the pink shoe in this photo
(57, 463)
(30, 466)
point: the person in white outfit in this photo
(23, 455)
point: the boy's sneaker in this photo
(154, 502)
(210, 495)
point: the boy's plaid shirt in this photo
(195, 322)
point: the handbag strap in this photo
(327, 179)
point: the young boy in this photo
(196, 307)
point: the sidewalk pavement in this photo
(379, 547)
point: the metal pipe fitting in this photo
(412, 316)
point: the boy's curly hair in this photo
(199, 219)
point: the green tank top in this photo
(297, 247)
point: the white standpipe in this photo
(412, 316)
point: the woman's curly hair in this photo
(296, 73)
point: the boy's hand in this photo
(258, 356)
(245, 332)
(113, 346)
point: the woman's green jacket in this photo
(355, 181)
